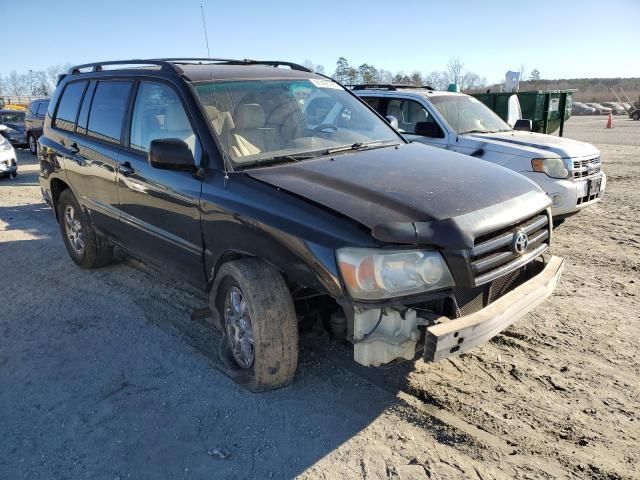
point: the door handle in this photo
(125, 169)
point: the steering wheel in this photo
(323, 127)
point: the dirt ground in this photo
(103, 374)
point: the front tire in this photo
(33, 144)
(259, 324)
(85, 247)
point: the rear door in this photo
(159, 209)
(89, 139)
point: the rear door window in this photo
(83, 116)
(68, 106)
(107, 113)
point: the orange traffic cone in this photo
(609, 121)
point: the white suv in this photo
(570, 172)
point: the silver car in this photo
(600, 109)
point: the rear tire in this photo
(33, 144)
(259, 323)
(86, 248)
(635, 116)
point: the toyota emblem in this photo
(520, 242)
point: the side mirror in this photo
(170, 154)
(523, 124)
(393, 121)
(428, 129)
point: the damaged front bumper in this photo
(381, 336)
(459, 335)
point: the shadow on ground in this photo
(104, 374)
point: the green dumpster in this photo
(542, 107)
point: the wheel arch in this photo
(57, 187)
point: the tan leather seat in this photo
(176, 125)
(222, 123)
(250, 136)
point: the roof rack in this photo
(171, 64)
(231, 61)
(381, 86)
(97, 66)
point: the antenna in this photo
(225, 158)
(206, 37)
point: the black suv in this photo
(289, 199)
(34, 121)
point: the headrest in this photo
(249, 115)
(175, 119)
(422, 116)
(212, 112)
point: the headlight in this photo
(553, 167)
(374, 274)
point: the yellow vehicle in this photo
(20, 108)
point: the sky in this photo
(561, 38)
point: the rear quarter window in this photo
(42, 108)
(108, 108)
(68, 107)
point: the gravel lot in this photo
(104, 375)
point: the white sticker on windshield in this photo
(321, 83)
(554, 104)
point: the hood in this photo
(412, 193)
(533, 145)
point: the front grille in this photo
(494, 254)
(586, 168)
(472, 300)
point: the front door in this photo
(159, 209)
(416, 122)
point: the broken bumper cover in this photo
(457, 336)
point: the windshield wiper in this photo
(360, 146)
(276, 159)
(478, 131)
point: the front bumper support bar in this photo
(457, 336)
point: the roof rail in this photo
(97, 66)
(387, 86)
(231, 61)
(171, 64)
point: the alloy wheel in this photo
(73, 229)
(238, 326)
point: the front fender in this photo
(249, 218)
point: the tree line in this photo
(43, 82)
(33, 83)
(368, 74)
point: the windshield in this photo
(261, 121)
(13, 117)
(468, 114)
